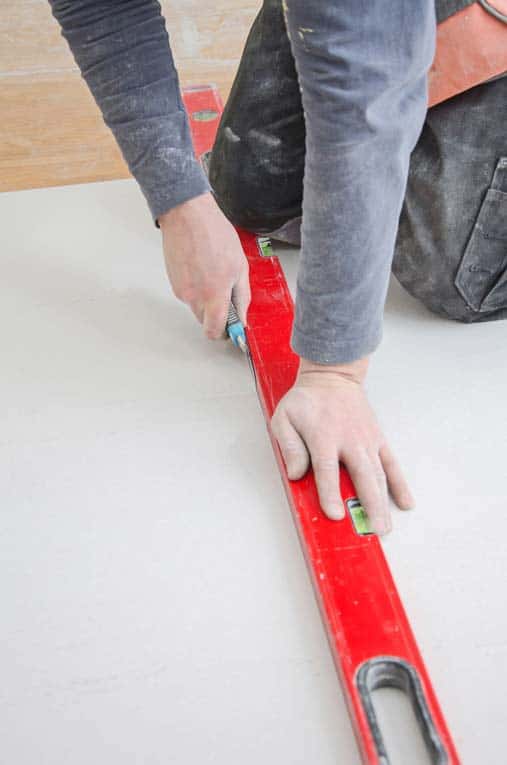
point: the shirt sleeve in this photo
(362, 67)
(122, 49)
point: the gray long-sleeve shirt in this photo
(362, 68)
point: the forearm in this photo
(362, 70)
(123, 52)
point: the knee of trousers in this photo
(429, 280)
(451, 250)
(257, 164)
(445, 279)
(256, 181)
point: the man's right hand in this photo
(205, 262)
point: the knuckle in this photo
(390, 469)
(226, 265)
(375, 504)
(379, 474)
(362, 467)
(372, 494)
(187, 294)
(389, 460)
(291, 446)
(324, 463)
(213, 290)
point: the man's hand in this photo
(325, 418)
(205, 262)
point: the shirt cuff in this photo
(333, 349)
(161, 158)
(167, 195)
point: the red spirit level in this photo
(369, 634)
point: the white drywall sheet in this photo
(155, 607)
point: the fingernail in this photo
(335, 512)
(408, 502)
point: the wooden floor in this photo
(51, 131)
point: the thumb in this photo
(215, 317)
(292, 446)
(241, 295)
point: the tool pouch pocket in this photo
(482, 275)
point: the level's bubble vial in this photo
(205, 115)
(359, 518)
(265, 247)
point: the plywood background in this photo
(51, 131)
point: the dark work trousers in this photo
(451, 249)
